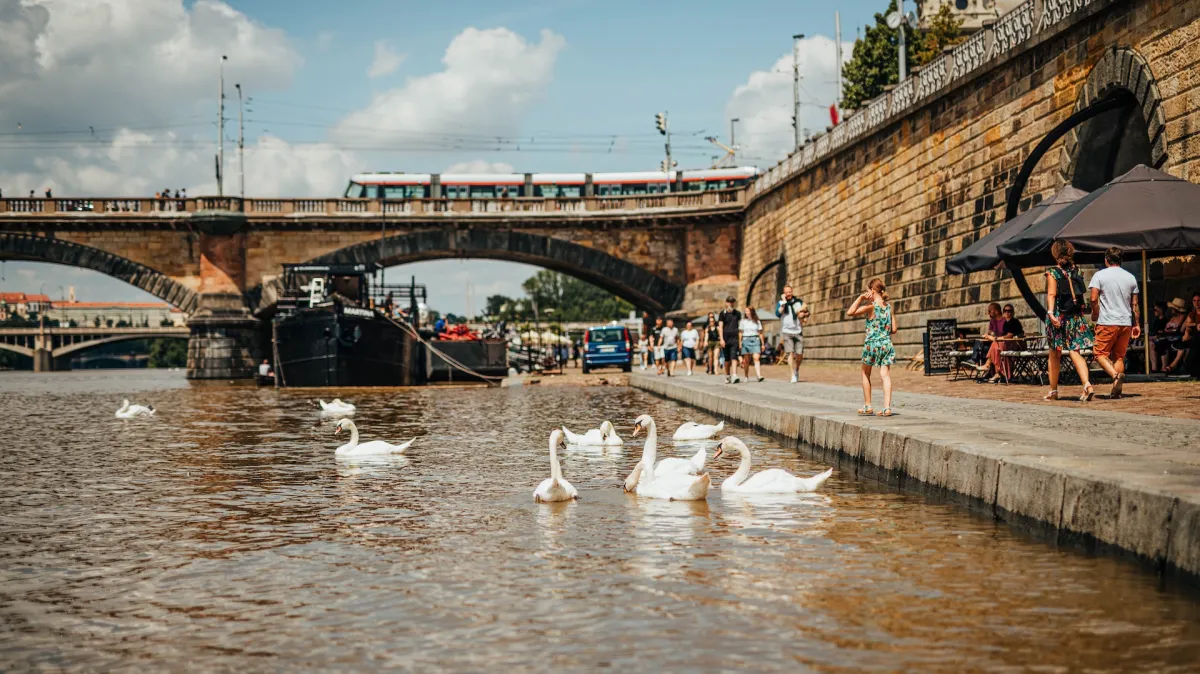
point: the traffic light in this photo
(660, 122)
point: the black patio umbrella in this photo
(982, 254)
(1144, 210)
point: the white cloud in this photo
(386, 61)
(764, 102)
(491, 78)
(479, 166)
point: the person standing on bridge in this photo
(1115, 313)
(792, 313)
(878, 351)
(729, 320)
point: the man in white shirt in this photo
(690, 339)
(792, 312)
(1115, 311)
(669, 341)
(264, 370)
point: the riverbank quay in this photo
(1080, 476)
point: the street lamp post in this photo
(241, 145)
(796, 89)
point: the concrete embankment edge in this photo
(1113, 499)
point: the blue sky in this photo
(374, 85)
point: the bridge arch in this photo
(58, 251)
(68, 349)
(17, 348)
(624, 279)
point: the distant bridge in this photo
(46, 345)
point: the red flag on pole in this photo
(833, 114)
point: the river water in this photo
(223, 535)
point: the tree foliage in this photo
(558, 297)
(875, 61)
(168, 352)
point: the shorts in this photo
(1112, 341)
(751, 345)
(792, 343)
(730, 351)
(659, 354)
(671, 355)
(689, 352)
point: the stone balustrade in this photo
(300, 208)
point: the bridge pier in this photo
(43, 360)
(224, 339)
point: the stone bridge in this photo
(47, 345)
(219, 259)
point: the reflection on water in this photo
(223, 533)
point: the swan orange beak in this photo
(337, 429)
(636, 428)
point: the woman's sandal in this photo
(1088, 392)
(1053, 395)
(885, 412)
(865, 411)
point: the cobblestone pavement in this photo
(1113, 425)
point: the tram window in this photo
(354, 191)
(454, 191)
(403, 191)
(570, 191)
(483, 191)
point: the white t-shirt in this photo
(1117, 288)
(669, 335)
(690, 338)
(750, 328)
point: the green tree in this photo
(496, 304)
(875, 61)
(168, 352)
(572, 299)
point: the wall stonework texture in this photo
(902, 200)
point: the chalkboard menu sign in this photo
(937, 347)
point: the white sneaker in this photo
(728, 380)
(735, 379)
(795, 379)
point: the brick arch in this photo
(624, 279)
(1120, 72)
(57, 251)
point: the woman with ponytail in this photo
(878, 351)
(1066, 329)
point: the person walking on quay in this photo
(659, 357)
(877, 351)
(1066, 329)
(669, 340)
(711, 344)
(689, 339)
(751, 339)
(1115, 313)
(792, 313)
(729, 320)
(649, 336)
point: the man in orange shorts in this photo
(1115, 312)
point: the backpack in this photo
(1070, 301)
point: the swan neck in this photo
(555, 469)
(353, 434)
(650, 451)
(743, 470)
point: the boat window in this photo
(606, 335)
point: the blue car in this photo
(607, 346)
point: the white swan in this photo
(128, 411)
(374, 447)
(336, 406)
(772, 481)
(606, 436)
(672, 466)
(694, 431)
(674, 487)
(555, 487)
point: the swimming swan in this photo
(372, 448)
(336, 406)
(772, 481)
(694, 431)
(128, 411)
(673, 487)
(672, 466)
(555, 488)
(606, 436)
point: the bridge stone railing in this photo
(1028, 22)
(300, 208)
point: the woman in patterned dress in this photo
(1066, 328)
(877, 349)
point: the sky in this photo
(119, 97)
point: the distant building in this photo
(151, 314)
(22, 304)
(972, 12)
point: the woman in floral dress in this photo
(1066, 328)
(877, 349)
